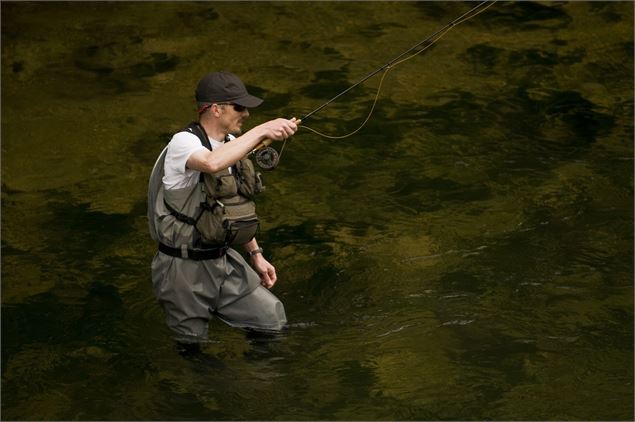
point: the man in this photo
(200, 206)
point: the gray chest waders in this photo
(192, 283)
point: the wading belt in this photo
(193, 254)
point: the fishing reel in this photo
(266, 156)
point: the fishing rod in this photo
(267, 157)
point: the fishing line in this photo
(431, 40)
(268, 158)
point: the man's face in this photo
(232, 117)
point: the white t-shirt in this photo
(175, 174)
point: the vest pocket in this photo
(241, 232)
(228, 223)
(221, 185)
(250, 180)
(210, 225)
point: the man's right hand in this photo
(279, 129)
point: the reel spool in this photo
(267, 158)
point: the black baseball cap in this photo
(224, 87)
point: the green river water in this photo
(468, 255)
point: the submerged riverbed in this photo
(467, 255)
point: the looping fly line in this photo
(431, 40)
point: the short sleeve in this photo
(180, 148)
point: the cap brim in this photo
(248, 101)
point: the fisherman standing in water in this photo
(200, 206)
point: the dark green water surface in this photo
(467, 255)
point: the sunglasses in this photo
(237, 108)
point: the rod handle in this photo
(268, 141)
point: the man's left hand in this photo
(266, 271)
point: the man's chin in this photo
(238, 130)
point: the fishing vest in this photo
(217, 212)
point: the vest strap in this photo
(193, 254)
(198, 130)
(182, 217)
